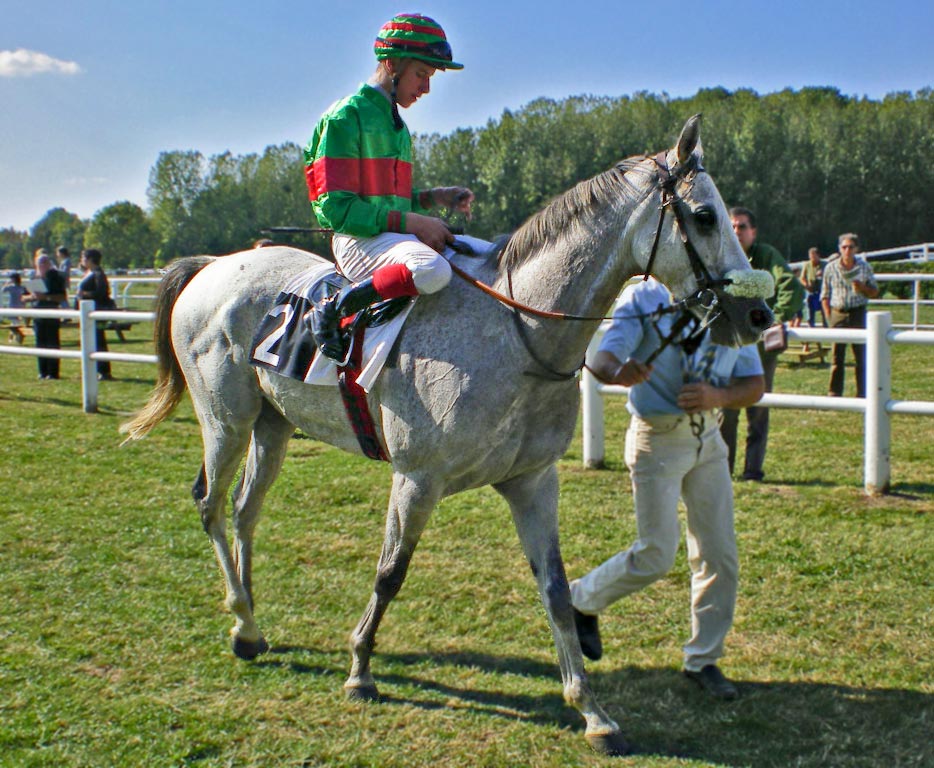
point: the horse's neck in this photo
(581, 274)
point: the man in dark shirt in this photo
(47, 328)
(95, 286)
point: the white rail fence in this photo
(88, 354)
(877, 407)
(916, 301)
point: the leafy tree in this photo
(57, 227)
(123, 233)
(175, 183)
(14, 251)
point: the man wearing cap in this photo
(358, 166)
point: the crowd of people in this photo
(48, 288)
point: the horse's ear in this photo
(689, 139)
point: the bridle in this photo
(705, 296)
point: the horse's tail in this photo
(170, 383)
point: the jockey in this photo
(358, 166)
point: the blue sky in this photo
(93, 91)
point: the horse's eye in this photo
(705, 218)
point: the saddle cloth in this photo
(283, 343)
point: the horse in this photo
(477, 394)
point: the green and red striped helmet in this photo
(413, 36)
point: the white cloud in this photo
(85, 181)
(23, 63)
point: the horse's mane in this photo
(545, 225)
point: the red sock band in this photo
(394, 280)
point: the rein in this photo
(705, 295)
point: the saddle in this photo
(283, 343)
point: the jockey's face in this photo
(414, 80)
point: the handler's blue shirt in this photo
(633, 337)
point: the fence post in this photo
(88, 366)
(878, 427)
(592, 421)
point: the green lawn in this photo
(114, 637)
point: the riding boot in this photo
(325, 317)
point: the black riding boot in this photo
(324, 318)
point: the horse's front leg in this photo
(410, 505)
(533, 499)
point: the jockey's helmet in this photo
(413, 36)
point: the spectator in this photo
(64, 266)
(812, 275)
(14, 291)
(95, 286)
(787, 301)
(673, 449)
(47, 329)
(848, 285)
(358, 165)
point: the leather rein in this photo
(704, 295)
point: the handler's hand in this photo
(631, 372)
(431, 231)
(697, 397)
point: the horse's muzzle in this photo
(741, 321)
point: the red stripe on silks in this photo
(422, 29)
(368, 177)
(310, 181)
(394, 280)
(394, 221)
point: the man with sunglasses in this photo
(358, 166)
(849, 283)
(785, 305)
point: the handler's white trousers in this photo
(665, 464)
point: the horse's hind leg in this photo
(224, 446)
(268, 445)
(533, 500)
(410, 506)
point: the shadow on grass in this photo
(667, 716)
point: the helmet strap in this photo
(396, 120)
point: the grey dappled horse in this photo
(467, 402)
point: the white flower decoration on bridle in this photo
(750, 284)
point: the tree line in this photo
(811, 163)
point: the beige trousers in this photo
(667, 462)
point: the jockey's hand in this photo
(454, 199)
(431, 231)
(699, 396)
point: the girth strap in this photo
(355, 402)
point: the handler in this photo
(358, 166)
(673, 449)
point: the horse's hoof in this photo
(609, 744)
(361, 693)
(249, 649)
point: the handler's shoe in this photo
(714, 682)
(588, 633)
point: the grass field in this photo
(113, 635)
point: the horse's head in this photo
(695, 251)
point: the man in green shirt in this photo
(785, 304)
(358, 166)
